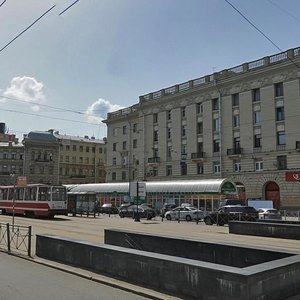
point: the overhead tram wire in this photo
(47, 117)
(46, 12)
(2, 3)
(260, 31)
(285, 11)
(68, 8)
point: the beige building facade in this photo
(241, 123)
(81, 159)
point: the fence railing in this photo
(15, 238)
(290, 215)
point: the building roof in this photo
(40, 135)
(13, 144)
(78, 138)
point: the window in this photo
(278, 87)
(236, 121)
(93, 149)
(183, 112)
(255, 95)
(281, 138)
(168, 133)
(169, 171)
(216, 124)
(183, 149)
(237, 145)
(199, 147)
(155, 135)
(74, 159)
(68, 148)
(125, 129)
(200, 169)
(154, 172)
(13, 155)
(87, 160)
(281, 162)
(21, 156)
(217, 167)
(236, 166)
(235, 99)
(258, 165)
(123, 175)
(74, 147)
(257, 140)
(257, 117)
(155, 118)
(87, 149)
(67, 158)
(114, 161)
(100, 150)
(279, 113)
(169, 152)
(80, 160)
(216, 146)
(183, 169)
(114, 146)
(134, 143)
(5, 155)
(169, 115)
(215, 104)
(80, 148)
(113, 176)
(199, 108)
(183, 130)
(115, 131)
(134, 129)
(199, 128)
(124, 145)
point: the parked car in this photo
(269, 214)
(187, 213)
(130, 210)
(231, 213)
(167, 207)
(108, 208)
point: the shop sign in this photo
(292, 176)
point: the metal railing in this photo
(15, 238)
(290, 215)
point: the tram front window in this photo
(43, 194)
(58, 194)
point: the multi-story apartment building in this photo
(41, 163)
(81, 159)
(240, 124)
(11, 157)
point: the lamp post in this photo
(12, 175)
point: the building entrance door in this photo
(272, 192)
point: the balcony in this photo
(197, 156)
(234, 152)
(153, 160)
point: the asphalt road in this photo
(22, 279)
(92, 229)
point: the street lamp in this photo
(12, 175)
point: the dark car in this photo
(167, 207)
(231, 213)
(108, 208)
(130, 210)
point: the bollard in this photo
(29, 241)
(8, 237)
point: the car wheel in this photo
(121, 215)
(188, 218)
(208, 221)
(168, 217)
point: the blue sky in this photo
(101, 55)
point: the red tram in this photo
(34, 200)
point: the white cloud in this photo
(27, 89)
(97, 112)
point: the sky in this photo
(67, 71)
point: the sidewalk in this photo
(142, 291)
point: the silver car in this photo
(269, 214)
(187, 213)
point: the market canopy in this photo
(207, 186)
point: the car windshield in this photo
(272, 211)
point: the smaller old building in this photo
(11, 157)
